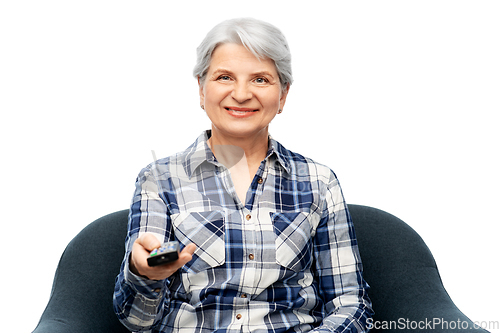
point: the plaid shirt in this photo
(286, 260)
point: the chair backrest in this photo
(82, 292)
(398, 266)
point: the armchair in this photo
(406, 289)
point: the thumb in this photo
(190, 248)
(187, 254)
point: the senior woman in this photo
(266, 238)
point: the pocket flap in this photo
(206, 231)
(293, 240)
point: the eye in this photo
(224, 78)
(261, 80)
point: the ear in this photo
(202, 92)
(284, 94)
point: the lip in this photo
(239, 109)
(240, 112)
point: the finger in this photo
(190, 248)
(183, 258)
(186, 255)
(140, 252)
(148, 241)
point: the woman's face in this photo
(241, 93)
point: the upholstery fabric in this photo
(399, 267)
(401, 272)
(82, 292)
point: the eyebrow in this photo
(226, 71)
(263, 73)
(221, 71)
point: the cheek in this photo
(272, 101)
(214, 94)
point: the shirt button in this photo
(248, 217)
(260, 181)
(251, 256)
(238, 316)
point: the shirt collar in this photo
(281, 153)
(199, 152)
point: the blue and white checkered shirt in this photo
(286, 260)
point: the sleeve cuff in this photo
(142, 285)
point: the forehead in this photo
(236, 57)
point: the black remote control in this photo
(166, 253)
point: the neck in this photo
(253, 148)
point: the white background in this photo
(399, 98)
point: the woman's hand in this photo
(140, 252)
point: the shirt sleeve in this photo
(338, 267)
(138, 302)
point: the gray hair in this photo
(261, 38)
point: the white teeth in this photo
(238, 112)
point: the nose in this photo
(241, 93)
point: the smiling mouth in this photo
(240, 110)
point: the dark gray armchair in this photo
(406, 289)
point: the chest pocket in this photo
(206, 231)
(293, 240)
